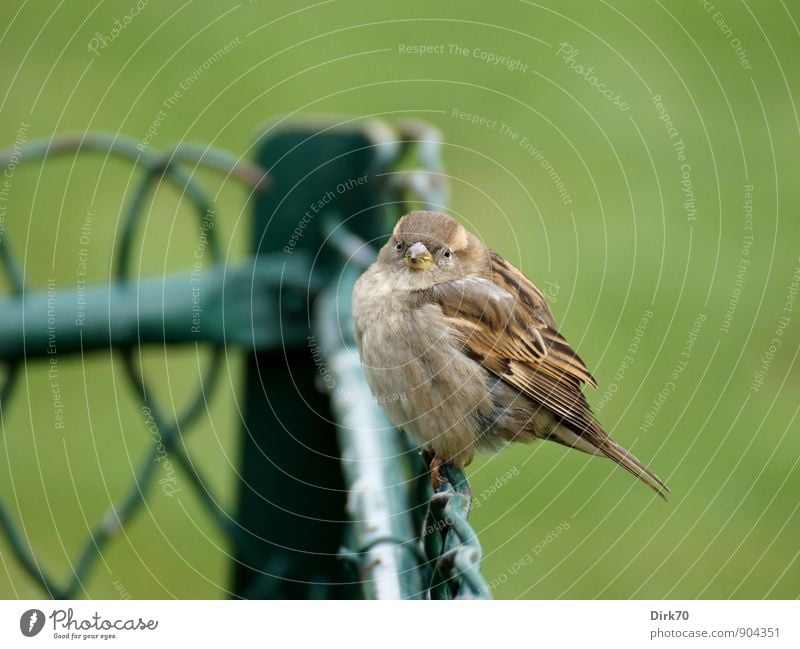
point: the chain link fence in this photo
(397, 540)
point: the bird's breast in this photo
(417, 372)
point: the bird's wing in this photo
(506, 325)
(531, 308)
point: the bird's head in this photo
(433, 248)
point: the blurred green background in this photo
(616, 242)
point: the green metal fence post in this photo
(292, 494)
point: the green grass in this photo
(624, 245)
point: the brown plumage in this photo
(463, 352)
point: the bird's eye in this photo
(398, 246)
(447, 254)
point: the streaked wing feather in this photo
(507, 326)
(531, 306)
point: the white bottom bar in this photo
(405, 625)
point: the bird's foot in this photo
(436, 474)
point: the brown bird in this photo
(461, 350)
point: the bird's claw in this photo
(436, 474)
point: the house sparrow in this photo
(461, 350)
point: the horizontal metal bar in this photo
(223, 305)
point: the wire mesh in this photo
(424, 546)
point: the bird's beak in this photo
(418, 257)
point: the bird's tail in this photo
(595, 441)
(631, 464)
